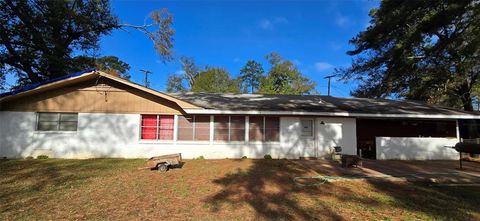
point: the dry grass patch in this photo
(213, 189)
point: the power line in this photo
(329, 77)
(146, 72)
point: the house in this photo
(93, 114)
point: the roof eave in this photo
(333, 114)
(91, 75)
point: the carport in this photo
(406, 138)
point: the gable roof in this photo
(33, 86)
(84, 76)
(317, 105)
(309, 105)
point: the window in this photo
(272, 129)
(307, 127)
(229, 128)
(57, 121)
(157, 127)
(194, 128)
(255, 128)
(185, 128)
(165, 127)
(202, 128)
(221, 125)
(264, 128)
(237, 128)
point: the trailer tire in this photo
(161, 167)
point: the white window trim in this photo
(193, 142)
(247, 129)
(57, 131)
(175, 128)
(156, 141)
(212, 130)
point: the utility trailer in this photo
(164, 162)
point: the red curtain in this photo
(166, 128)
(149, 127)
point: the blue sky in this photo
(313, 34)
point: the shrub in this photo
(267, 157)
(244, 157)
(41, 157)
(200, 158)
(29, 158)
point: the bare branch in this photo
(162, 37)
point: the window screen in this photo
(221, 126)
(272, 129)
(194, 127)
(157, 127)
(185, 128)
(165, 127)
(255, 128)
(237, 128)
(57, 121)
(202, 128)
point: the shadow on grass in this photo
(25, 182)
(267, 187)
(440, 202)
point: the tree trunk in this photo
(467, 102)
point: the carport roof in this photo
(315, 104)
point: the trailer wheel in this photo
(161, 167)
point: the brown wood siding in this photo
(102, 96)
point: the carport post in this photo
(459, 140)
(458, 131)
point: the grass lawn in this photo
(114, 189)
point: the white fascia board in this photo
(331, 114)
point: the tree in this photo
(250, 76)
(190, 70)
(215, 80)
(284, 78)
(175, 84)
(114, 66)
(39, 39)
(420, 50)
(108, 64)
(2, 82)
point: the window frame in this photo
(194, 130)
(157, 128)
(230, 141)
(312, 123)
(263, 130)
(211, 129)
(58, 122)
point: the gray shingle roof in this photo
(313, 103)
